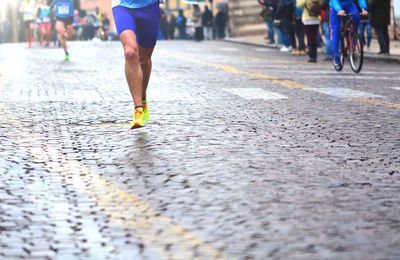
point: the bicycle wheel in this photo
(356, 53)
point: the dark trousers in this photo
(383, 38)
(199, 34)
(292, 37)
(287, 29)
(221, 31)
(300, 34)
(171, 33)
(312, 39)
(182, 32)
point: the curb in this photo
(374, 57)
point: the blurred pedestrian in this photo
(164, 25)
(197, 23)
(310, 18)
(380, 20)
(365, 26)
(27, 8)
(53, 24)
(268, 17)
(207, 23)
(220, 22)
(76, 21)
(5, 28)
(37, 29)
(89, 27)
(171, 27)
(327, 29)
(181, 24)
(98, 25)
(299, 31)
(106, 27)
(277, 23)
(285, 14)
(45, 21)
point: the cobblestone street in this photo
(248, 154)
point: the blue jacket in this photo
(298, 11)
(338, 5)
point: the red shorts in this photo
(45, 26)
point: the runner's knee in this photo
(131, 54)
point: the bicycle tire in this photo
(356, 54)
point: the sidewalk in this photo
(370, 54)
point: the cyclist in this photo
(64, 18)
(138, 23)
(338, 9)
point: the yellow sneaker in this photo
(145, 110)
(138, 118)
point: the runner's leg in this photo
(60, 27)
(28, 35)
(133, 70)
(48, 33)
(43, 30)
(70, 31)
(146, 65)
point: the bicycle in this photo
(351, 46)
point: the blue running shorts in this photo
(145, 22)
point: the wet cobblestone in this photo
(309, 177)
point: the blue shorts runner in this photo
(144, 21)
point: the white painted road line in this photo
(343, 92)
(338, 76)
(254, 93)
(227, 49)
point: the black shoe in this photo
(338, 67)
(312, 60)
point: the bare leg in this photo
(48, 34)
(60, 27)
(146, 65)
(133, 70)
(29, 36)
(70, 32)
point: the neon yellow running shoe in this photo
(138, 118)
(145, 110)
(66, 57)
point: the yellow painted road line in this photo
(375, 102)
(157, 232)
(282, 82)
(233, 70)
